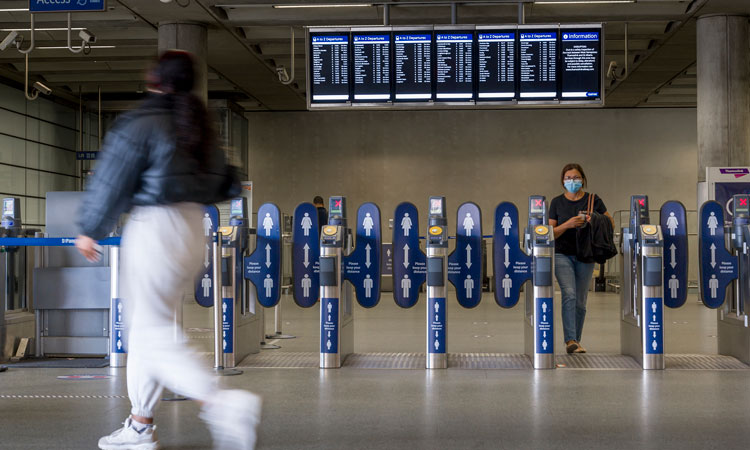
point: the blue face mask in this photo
(573, 186)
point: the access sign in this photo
(512, 264)
(306, 255)
(409, 262)
(362, 266)
(718, 267)
(263, 266)
(465, 263)
(204, 284)
(674, 228)
(39, 6)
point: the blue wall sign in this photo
(409, 262)
(227, 324)
(118, 327)
(654, 318)
(718, 267)
(306, 255)
(436, 339)
(673, 221)
(263, 266)
(204, 284)
(512, 265)
(545, 334)
(50, 242)
(362, 266)
(37, 6)
(386, 266)
(86, 156)
(465, 263)
(329, 325)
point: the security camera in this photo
(9, 40)
(612, 71)
(282, 73)
(87, 37)
(39, 86)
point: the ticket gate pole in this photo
(437, 281)
(117, 354)
(278, 334)
(219, 287)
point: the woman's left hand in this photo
(88, 248)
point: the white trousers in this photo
(161, 252)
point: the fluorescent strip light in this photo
(332, 5)
(66, 48)
(14, 9)
(41, 29)
(580, 2)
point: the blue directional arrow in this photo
(465, 263)
(306, 255)
(204, 283)
(409, 262)
(718, 267)
(362, 266)
(512, 264)
(673, 223)
(263, 266)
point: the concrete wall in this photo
(481, 156)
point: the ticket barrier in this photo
(721, 268)
(437, 285)
(514, 266)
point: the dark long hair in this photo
(174, 77)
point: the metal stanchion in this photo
(277, 326)
(117, 353)
(218, 313)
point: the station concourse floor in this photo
(352, 408)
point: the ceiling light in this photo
(332, 5)
(580, 2)
(40, 29)
(66, 48)
(14, 9)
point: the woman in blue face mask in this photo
(566, 213)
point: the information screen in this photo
(329, 67)
(538, 64)
(580, 63)
(496, 61)
(413, 66)
(454, 66)
(371, 66)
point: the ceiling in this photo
(248, 39)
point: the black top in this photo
(322, 218)
(561, 209)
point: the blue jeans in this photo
(574, 279)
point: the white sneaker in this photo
(129, 438)
(232, 418)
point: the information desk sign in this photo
(496, 64)
(204, 284)
(465, 263)
(538, 63)
(673, 223)
(362, 266)
(718, 267)
(412, 75)
(263, 266)
(512, 264)
(454, 65)
(41, 6)
(580, 63)
(371, 63)
(306, 255)
(409, 262)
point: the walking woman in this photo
(161, 163)
(567, 212)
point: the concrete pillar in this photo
(723, 51)
(191, 37)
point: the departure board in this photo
(580, 69)
(371, 66)
(412, 66)
(538, 64)
(496, 65)
(329, 67)
(454, 68)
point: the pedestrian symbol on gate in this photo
(406, 224)
(306, 224)
(406, 285)
(507, 284)
(206, 285)
(207, 225)
(468, 224)
(306, 284)
(713, 223)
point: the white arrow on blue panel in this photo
(306, 262)
(507, 256)
(268, 255)
(713, 255)
(468, 256)
(367, 256)
(437, 344)
(406, 256)
(673, 257)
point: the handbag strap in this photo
(590, 208)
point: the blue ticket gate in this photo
(437, 285)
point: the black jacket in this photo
(140, 164)
(595, 241)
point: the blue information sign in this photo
(362, 266)
(386, 262)
(409, 262)
(86, 156)
(465, 263)
(718, 267)
(227, 310)
(329, 330)
(263, 266)
(654, 318)
(437, 326)
(118, 327)
(204, 284)
(306, 255)
(673, 221)
(37, 6)
(545, 340)
(512, 264)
